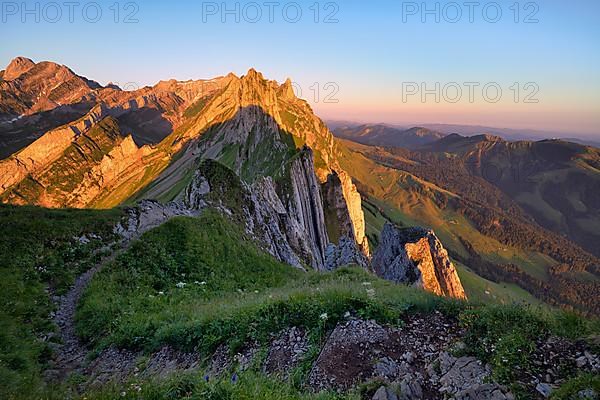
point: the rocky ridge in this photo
(249, 123)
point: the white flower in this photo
(324, 316)
(347, 314)
(161, 293)
(181, 285)
(366, 283)
(370, 293)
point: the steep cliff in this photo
(285, 217)
(350, 248)
(415, 256)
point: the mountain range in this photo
(220, 226)
(384, 135)
(72, 143)
(509, 134)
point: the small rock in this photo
(544, 389)
(385, 368)
(589, 394)
(581, 361)
(410, 389)
(409, 357)
(383, 393)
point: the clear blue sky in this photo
(370, 54)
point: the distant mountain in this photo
(553, 180)
(484, 228)
(383, 135)
(39, 97)
(474, 130)
(510, 134)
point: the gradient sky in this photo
(370, 54)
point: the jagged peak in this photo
(254, 74)
(287, 90)
(114, 86)
(18, 67)
(415, 255)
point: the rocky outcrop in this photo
(411, 362)
(305, 205)
(341, 224)
(149, 214)
(415, 256)
(355, 211)
(257, 207)
(286, 217)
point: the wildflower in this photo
(324, 316)
(181, 285)
(234, 378)
(366, 283)
(161, 293)
(206, 378)
(347, 314)
(370, 293)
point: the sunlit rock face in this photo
(415, 256)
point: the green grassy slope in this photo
(233, 293)
(554, 181)
(38, 255)
(247, 296)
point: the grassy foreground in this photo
(197, 283)
(40, 254)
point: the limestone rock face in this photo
(341, 224)
(305, 205)
(286, 217)
(357, 216)
(415, 256)
(290, 229)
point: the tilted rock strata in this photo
(286, 219)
